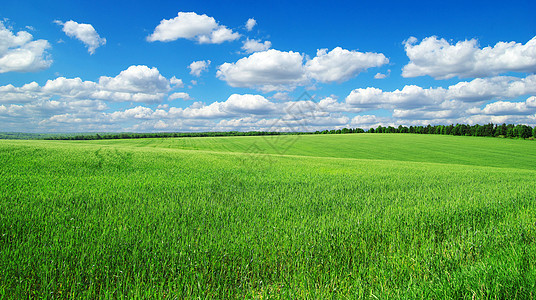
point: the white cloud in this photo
(411, 96)
(247, 112)
(138, 112)
(235, 105)
(442, 60)
(493, 88)
(274, 70)
(12, 94)
(281, 96)
(509, 108)
(250, 24)
(135, 84)
(218, 36)
(414, 105)
(69, 87)
(136, 79)
(197, 67)
(84, 33)
(189, 25)
(177, 83)
(270, 70)
(182, 95)
(251, 46)
(19, 53)
(29, 116)
(381, 75)
(340, 64)
(253, 104)
(427, 113)
(368, 121)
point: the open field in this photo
(322, 216)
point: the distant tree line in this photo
(492, 130)
(110, 136)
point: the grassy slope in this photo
(136, 218)
(400, 147)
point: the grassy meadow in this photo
(357, 216)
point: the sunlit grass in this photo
(147, 218)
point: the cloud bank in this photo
(441, 60)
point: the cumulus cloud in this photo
(181, 95)
(409, 96)
(253, 104)
(69, 87)
(197, 67)
(12, 94)
(177, 83)
(250, 112)
(136, 79)
(381, 75)
(84, 33)
(72, 104)
(135, 84)
(368, 121)
(274, 70)
(32, 116)
(250, 24)
(493, 88)
(20, 53)
(270, 70)
(235, 105)
(412, 96)
(442, 60)
(281, 96)
(340, 64)
(509, 108)
(251, 46)
(191, 26)
(459, 103)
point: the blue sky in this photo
(80, 66)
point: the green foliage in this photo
(336, 216)
(510, 130)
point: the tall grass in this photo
(111, 220)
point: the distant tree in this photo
(489, 129)
(371, 130)
(479, 130)
(510, 131)
(501, 130)
(522, 131)
(448, 129)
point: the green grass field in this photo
(370, 216)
